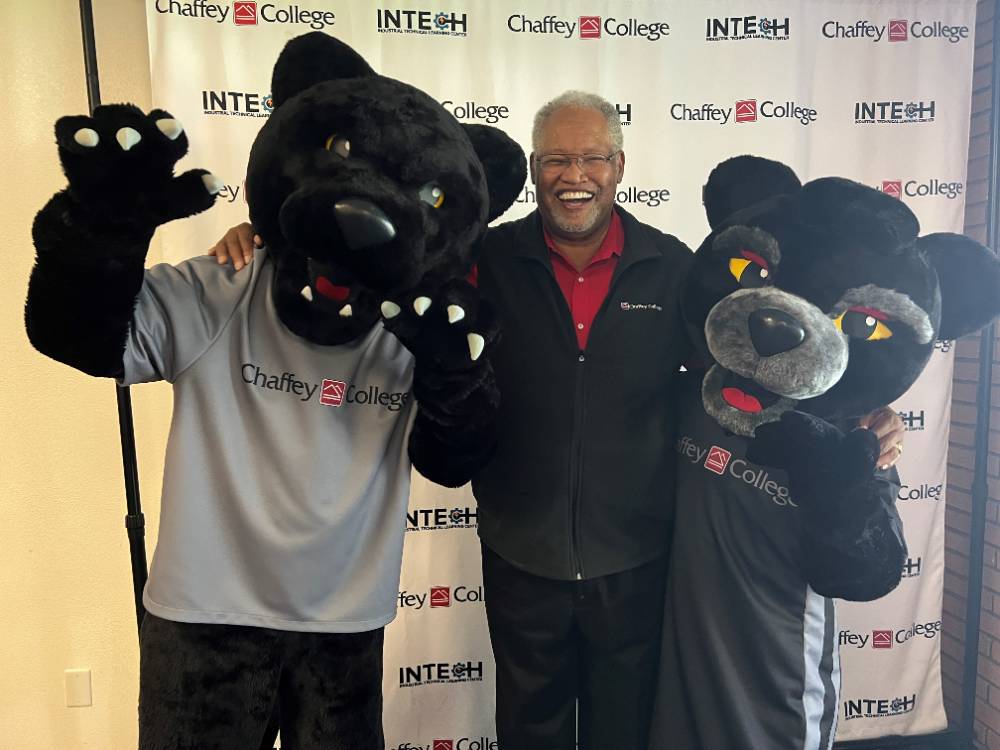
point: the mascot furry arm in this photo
(819, 303)
(371, 199)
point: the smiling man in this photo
(575, 509)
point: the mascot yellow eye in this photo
(864, 323)
(338, 145)
(432, 195)
(750, 271)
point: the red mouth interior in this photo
(741, 400)
(328, 289)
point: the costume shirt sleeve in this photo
(179, 312)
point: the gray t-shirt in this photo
(287, 475)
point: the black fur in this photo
(831, 246)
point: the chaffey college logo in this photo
(247, 13)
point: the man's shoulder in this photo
(501, 238)
(647, 235)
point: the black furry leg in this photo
(331, 692)
(205, 687)
(212, 687)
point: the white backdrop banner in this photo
(879, 92)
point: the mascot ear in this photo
(503, 162)
(310, 59)
(969, 276)
(742, 181)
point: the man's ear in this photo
(621, 166)
(310, 59)
(969, 277)
(503, 164)
(742, 181)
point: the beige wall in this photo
(65, 588)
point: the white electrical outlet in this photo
(78, 691)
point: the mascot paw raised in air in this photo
(288, 464)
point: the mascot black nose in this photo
(362, 223)
(773, 331)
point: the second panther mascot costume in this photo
(814, 304)
(287, 469)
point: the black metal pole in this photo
(135, 523)
(980, 491)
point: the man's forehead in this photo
(571, 126)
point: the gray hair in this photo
(585, 100)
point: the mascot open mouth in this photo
(746, 395)
(741, 404)
(330, 285)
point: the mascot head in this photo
(822, 297)
(362, 186)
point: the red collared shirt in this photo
(585, 290)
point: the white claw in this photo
(127, 138)
(307, 292)
(346, 311)
(455, 313)
(476, 345)
(390, 310)
(212, 183)
(170, 127)
(420, 304)
(86, 137)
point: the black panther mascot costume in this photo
(304, 386)
(813, 304)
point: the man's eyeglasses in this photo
(588, 163)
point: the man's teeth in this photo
(307, 292)
(576, 195)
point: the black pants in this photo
(212, 687)
(557, 642)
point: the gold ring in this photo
(899, 448)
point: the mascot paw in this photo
(807, 446)
(120, 166)
(451, 329)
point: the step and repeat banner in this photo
(878, 92)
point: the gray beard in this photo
(578, 228)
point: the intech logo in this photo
(878, 708)
(236, 104)
(332, 393)
(944, 346)
(440, 519)
(743, 111)
(913, 421)
(932, 188)
(740, 28)
(894, 112)
(441, 23)
(588, 27)
(488, 113)
(624, 114)
(911, 568)
(247, 13)
(895, 30)
(436, 673)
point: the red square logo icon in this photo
(245, 13)
(590, 27)
(332, 392)
(718, 459)
(893, 188)
(746, 110)
(898, 31)
(881, 639)
(443, 745)
(440, 596)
